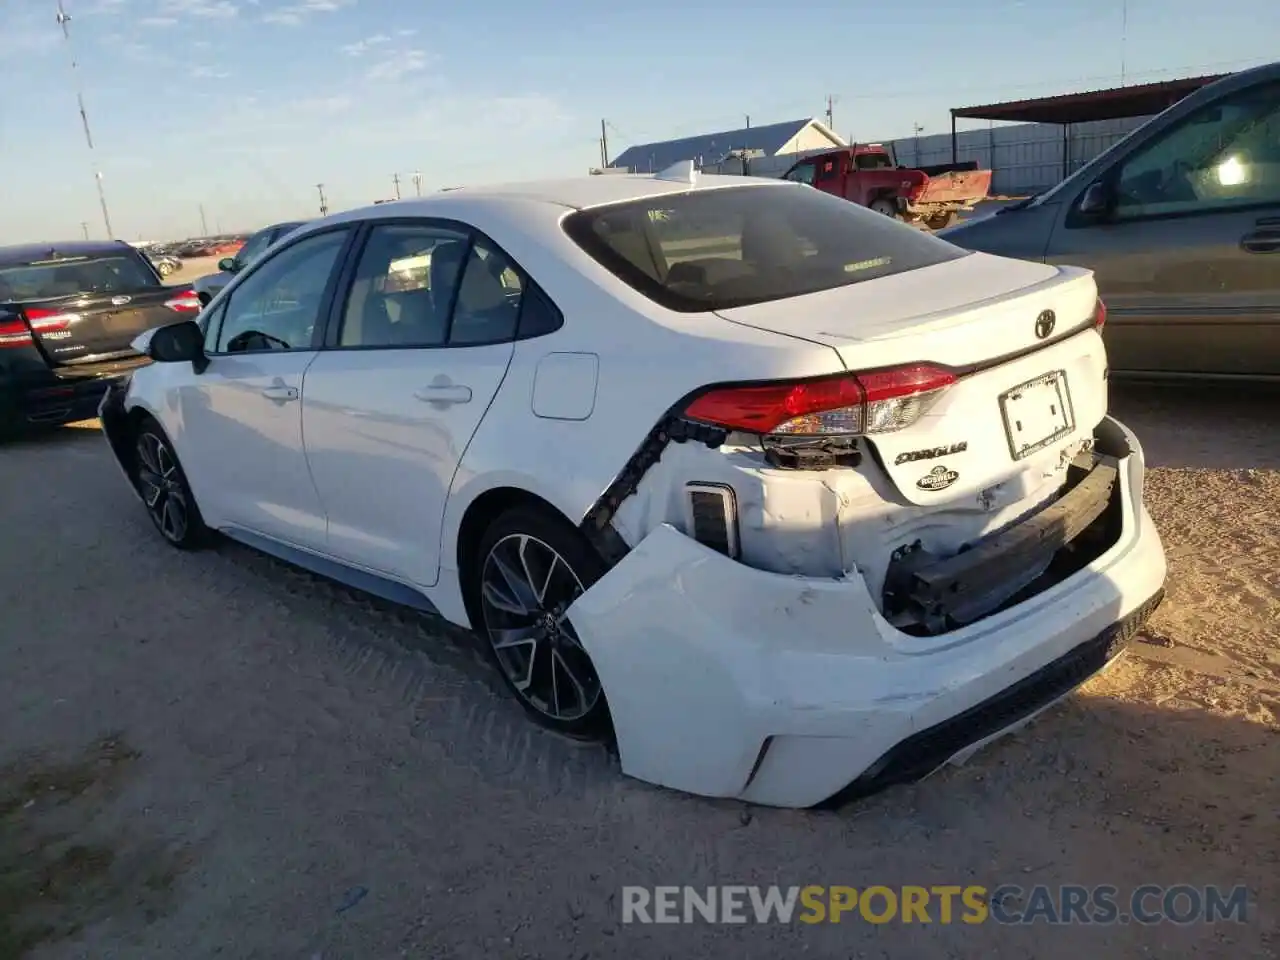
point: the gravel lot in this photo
(213, 755)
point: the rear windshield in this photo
(67, 277)
(728, 247)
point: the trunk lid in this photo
(89, 309)
(1020, 403)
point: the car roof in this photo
(28, 252)
(577, 193)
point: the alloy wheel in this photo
(526, 589)
(162, 488)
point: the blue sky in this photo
(244, 105)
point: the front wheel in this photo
(530, 568)
(164, 489)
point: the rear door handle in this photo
(1263, 241)
(444, 394)
(280, 393)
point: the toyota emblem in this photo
(1045, 324)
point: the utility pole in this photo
(417, 183)
(204, 224)
(84, 225)
(324, 206)
(831, 111)
(604, 145)
(395, 180)
(64, 19)
(1124, 36)
(748, 116)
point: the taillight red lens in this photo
(847, 404)
(14, 333)
(43, 320)
(1099, 315)
(185, 302)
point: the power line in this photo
(64, 21)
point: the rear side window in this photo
(733, 246)
(45, 280)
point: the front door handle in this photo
(444, 394)
(1263, 241)
(280, 393)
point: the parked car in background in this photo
(164, 263)
(1180, 222)
(869, 174)
(871, 512)
(68, 312)
(207, 287)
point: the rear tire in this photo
(164, 489)
(885, 206)
(528, 569)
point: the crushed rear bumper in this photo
(729, 681)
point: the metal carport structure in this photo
(1067, 109)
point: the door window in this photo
(802, 173)
(253, 248)
(278, 306)
(488, 302)
(404, 286)
(1224, 155)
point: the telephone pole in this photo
(831, 111)
(324, 205)
(395, 180)
(604, 146)
(748, 116)
(417, 183)
(84, 225)
(204, 224)
(64, 19)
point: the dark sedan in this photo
(68, 312)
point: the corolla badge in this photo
(939, 478)
(120, 301)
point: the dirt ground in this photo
(211, 755)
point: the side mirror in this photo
(1098, 200)
(227, 264)
(178, 342)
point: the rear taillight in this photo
(14, 333)
(1099, 315)
(850, 404)
(47, 321)
(185, 302)
(40, 320)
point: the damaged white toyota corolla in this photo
(793, 500)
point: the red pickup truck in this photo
(867, 174)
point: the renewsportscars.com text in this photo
(946, 904)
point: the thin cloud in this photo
(397, 66)
(158, 21)
(208, 73)
(361, 47)
(293, 14)
(204, 9)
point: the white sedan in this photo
(793, 501)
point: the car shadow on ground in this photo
(1202, 425)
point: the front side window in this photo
(713, 249)
(278, 306)
(253, 248)
(1224, 155)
